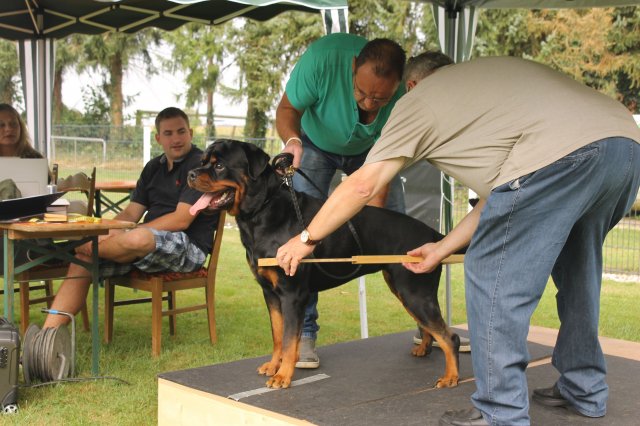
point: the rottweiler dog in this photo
(237, 177)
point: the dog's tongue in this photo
(201, 204)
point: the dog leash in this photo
(284, 163)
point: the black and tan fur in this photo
(245, 184)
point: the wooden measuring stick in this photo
(361, 260)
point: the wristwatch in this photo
(305, 237)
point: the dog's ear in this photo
(257, 159)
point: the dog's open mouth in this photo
(213, 201)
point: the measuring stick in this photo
(362, 260)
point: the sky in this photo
(151, 93)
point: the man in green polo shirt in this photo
(337, 100)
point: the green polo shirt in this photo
(321, 84)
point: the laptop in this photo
(27, 206)
(31, 175)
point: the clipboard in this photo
(11, 210)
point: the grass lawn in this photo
(243, 330)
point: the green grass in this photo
(243, 329)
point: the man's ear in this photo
(410, 84)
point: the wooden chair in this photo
(169, 283)
(45, 274)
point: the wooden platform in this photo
(374, 382)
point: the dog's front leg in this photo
(292, 317)
(277, 329)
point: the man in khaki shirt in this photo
(556, 165)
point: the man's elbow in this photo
(363, 191)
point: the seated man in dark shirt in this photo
(169, 239)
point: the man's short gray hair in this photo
(418, 67)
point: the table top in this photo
(116, 185)
(27, 230)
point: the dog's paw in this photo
(423, 349)
(279, 381)
(267, 369)
(419, 351)
(447, 382)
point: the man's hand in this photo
(431, 258)
(290, 254)
(294, 147)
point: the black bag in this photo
(9, 359)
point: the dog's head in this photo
(228, 168)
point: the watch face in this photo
(304, 236)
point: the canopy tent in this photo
(36, 23)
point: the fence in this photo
(621, 247)
(118, 156)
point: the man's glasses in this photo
(360, 95)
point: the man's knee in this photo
(139, 240)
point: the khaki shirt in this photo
(491, 120)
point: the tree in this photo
(504, 32)
(596, 46)
(410, 24)
(624, 41)
(68, 54)
(8, 72)
(114, 52)
(264, 52)
(197, 50)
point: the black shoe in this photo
(468, 417)
(550, 397)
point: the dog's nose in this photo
(192, 175)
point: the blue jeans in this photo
(320, 167)
(551, 222)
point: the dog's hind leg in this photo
(426, 345)
(420, 299)
(450, 345)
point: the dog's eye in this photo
(218, 167)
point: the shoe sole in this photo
(463, 348)
(308, 364)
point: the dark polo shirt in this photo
(160, 191)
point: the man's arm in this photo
(132, 213)
(288, 125)
(119, 247)
(459, 237)
(178, 220)
(347, 200)
(380, 198)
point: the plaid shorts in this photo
(174, 253)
